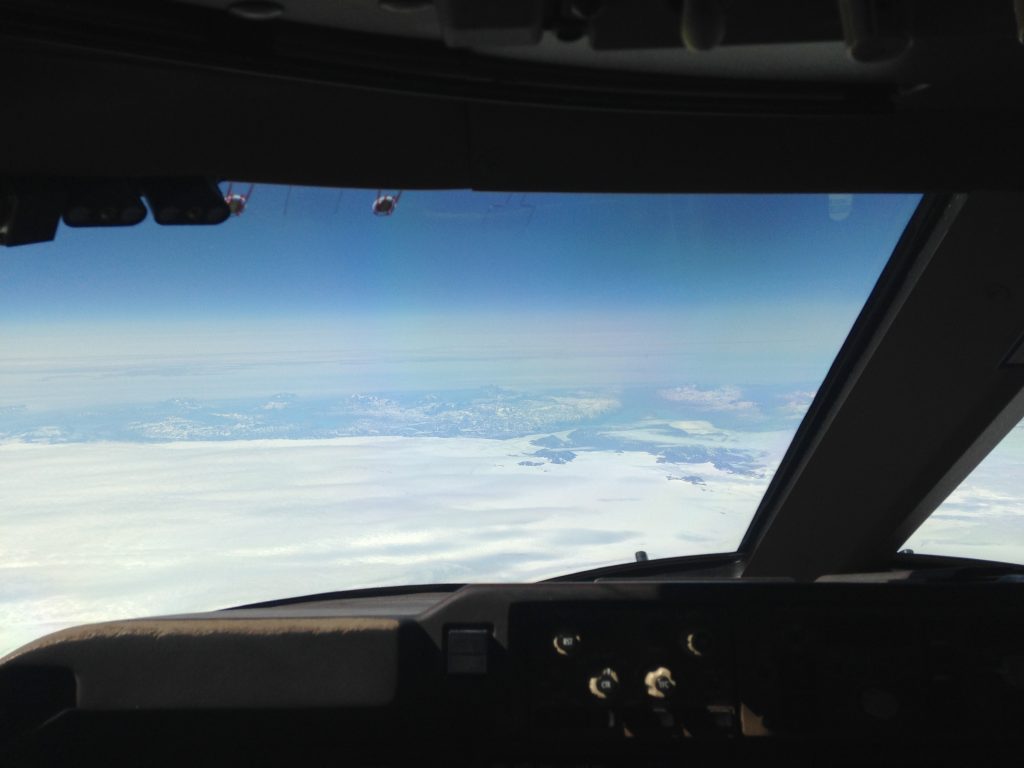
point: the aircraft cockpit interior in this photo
(511, 382)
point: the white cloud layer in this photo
(98, 531)
(720, 399)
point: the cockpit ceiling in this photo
(795, 40)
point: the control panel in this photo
(843, 662)
(619, 671)
(560, 674)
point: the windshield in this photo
(353, 388)
(984, 517)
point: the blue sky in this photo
(327, 253)
(538, 289)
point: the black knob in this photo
(659, 682)
(698, 643)
(605, 684)
(566, 643)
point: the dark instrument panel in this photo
(623, 670)
(589, 673)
